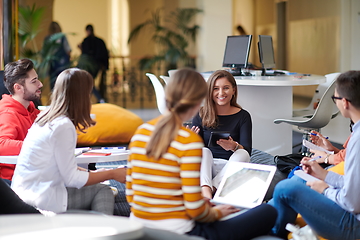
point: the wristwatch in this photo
(236, 147)
(326, 160)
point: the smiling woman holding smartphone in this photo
(221, 113)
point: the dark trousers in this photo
(10, 203)
(253, 223)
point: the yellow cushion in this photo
(338, 168)
(299, 220)
(114, 125)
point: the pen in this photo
(313, 159)
(314, 134)
(113, 148)
(82, 151)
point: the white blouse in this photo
(46, 166)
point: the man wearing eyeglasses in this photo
(329, 205)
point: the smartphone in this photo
(215, 136)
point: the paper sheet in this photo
(305, 176)
(315, 147)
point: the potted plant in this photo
(173, 40)
(30, 21)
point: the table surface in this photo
(277, 81)
(68, 226)
(282, 80)
(80, 159)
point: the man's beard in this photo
(31, 96)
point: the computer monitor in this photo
(266, 52)
(237, 52)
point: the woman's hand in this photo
(208, 201)
(318, 153)
(226, 209)
(321, 141)
(313, 168)
(318, 186)
(228, 144)
(195, 129)
(120, 174)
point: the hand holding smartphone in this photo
(215, 136)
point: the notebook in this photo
(244, 185)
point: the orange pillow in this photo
(338, 168)
(114, 125)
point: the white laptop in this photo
(244, 185)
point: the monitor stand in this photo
(271, 73)
(238, 72)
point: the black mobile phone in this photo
(215, 136)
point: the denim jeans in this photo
(323, 215)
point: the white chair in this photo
(321, 117)
(159, 92)
(171, 72)
(165, 78)
(310, 109)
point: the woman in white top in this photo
(47, 176)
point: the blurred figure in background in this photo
(56, 48)
(94, 58)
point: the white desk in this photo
(80, 159)
(267, 98)
(68, 226)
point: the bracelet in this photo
(236, 147)
(326, 160)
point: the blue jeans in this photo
(255, 222)
(323, 215)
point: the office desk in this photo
(267, 98)
(68, 226)
(80, 159)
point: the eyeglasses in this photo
(338, 98)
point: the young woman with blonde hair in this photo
(163, 178)
(222, 113)
(46, 175)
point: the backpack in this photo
(288, 162)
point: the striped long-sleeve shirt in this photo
(167, 188)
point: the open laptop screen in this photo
(244, 184)
(237, 51)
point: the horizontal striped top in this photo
(167, 188)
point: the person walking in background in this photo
(17, 110)
(46, 175)
(163, 177)
(56, 48)
(94, 58)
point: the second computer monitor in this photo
(266, 52)
(237, 51)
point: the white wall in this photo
(355, 35)
(216, 24)
(350, 35)
(73, 16)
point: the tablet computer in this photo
(215, 136)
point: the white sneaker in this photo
(115, 191)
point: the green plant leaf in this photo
(172, 39)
